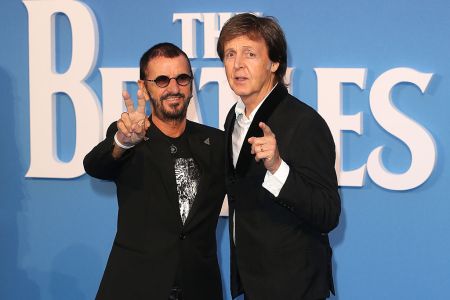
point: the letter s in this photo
(417, 138)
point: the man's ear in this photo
(274, 67)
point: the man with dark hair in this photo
(170, 187)
(281, 183)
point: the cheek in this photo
(228, 65)
(155, 96)
(260, 71)
(187, 90)
(152, 93)
(227, 70)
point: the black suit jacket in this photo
(151, 242)
(282, 249)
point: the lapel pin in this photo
(207, 141)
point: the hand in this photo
(133, 123)
(265, 148)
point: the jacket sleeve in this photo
(311, 190)
(99, 162)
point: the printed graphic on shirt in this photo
(187, 176)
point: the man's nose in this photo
(173, 86)
(238, 62)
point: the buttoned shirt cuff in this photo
(274, 182)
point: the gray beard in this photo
(172, 115)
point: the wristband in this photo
(120, 144)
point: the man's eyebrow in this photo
(243, 47)
(229, 50)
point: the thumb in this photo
(146, 124)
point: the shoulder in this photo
(292, 107)
(294, 113)
(205, 132)
(195, 127)
(293, 103)
(208, 136)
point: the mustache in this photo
(181, 95)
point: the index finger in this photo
(140, 101)
(128, 101)
(266, 129)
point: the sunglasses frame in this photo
(167, 79)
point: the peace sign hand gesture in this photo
(133, 123)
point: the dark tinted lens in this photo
(162, 81)
(183, 79)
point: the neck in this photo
(250, 106)
(252, 102)
(172, 128)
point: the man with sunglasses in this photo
(170, 187)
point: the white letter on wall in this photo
(45, 83)
(227, 97)
(212, 31)
(194, 112)
(188, 31)
(417, 138)
(329, 105)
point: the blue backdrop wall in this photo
(392, 243)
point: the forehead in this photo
(245, 41)
(169, 66)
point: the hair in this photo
(168, 50)
(255, 28)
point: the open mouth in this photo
(240, 78)
(173, 98)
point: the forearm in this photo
(117, 151)
(315, 203)
(311, 189)
(104, 160)
(99, 162)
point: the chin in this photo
(239, 91)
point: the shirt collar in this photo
(240, 106)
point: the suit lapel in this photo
(229, 126)
(200, 146)
(262, 115)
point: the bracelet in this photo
(120, 144)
